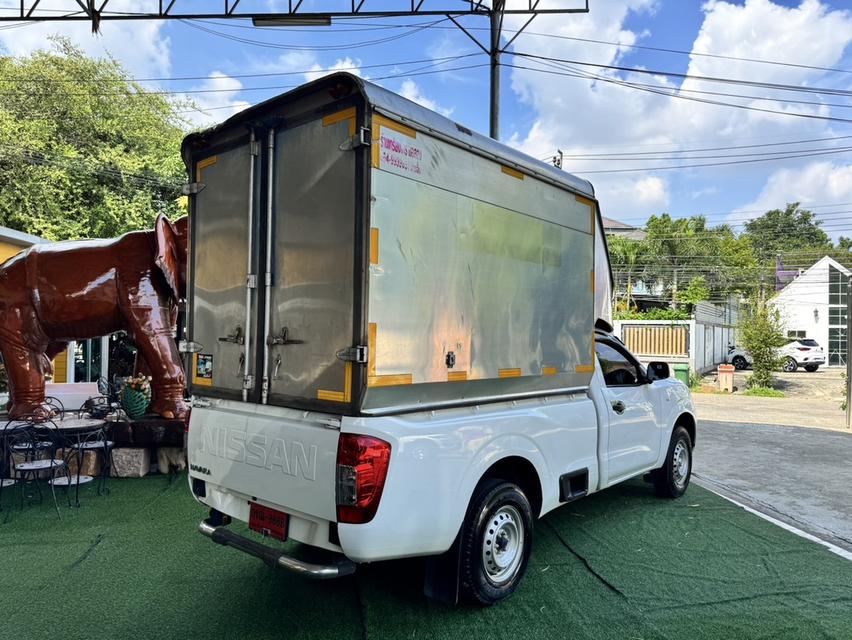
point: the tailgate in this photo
(282, 456)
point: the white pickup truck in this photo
(395, 345)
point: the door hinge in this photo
(254, 148)
(193, 188)
(363, 139)
(357, 354)
(251, 281)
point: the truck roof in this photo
(406, 111)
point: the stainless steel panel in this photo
(220, 246)
(508, 293)
(312, 296)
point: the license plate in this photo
(268, 522)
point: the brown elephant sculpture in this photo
(53, 293)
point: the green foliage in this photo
(84, 151)
(778, 230)
(653, 314)
(628, 259)
(763, 392)
(761, 335)
(695, 292)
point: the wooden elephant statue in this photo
(53, 293)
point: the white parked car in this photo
(802, 352)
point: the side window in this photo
(617, 369)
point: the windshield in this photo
(808, 342)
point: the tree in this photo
(627, 258)
(84, 151)
(778, 231)
(761, 335)
(696, 291)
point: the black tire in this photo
(810, 368)
(494, 504)
(739, 363)
(789, 365)
(671, 480)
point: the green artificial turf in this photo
(622, 564)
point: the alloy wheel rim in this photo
(680, 463)
(503, 544)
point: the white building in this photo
(813, 306)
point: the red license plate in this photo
(268, 522)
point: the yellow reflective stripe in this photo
(339, 396)
(549, 371)
(512, 172)
(371, 349)
(509, 373)
(389, 381)
(456, 376)
(374, 245)
(340, 116)
(203, 164)
(584, 368)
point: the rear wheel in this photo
(672, 479)
(811, 367)
(789, 365)
(739, 362)
(496, 540)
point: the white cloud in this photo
(345, 64)
(138, 44)
(412, 91)
(582, 116)
(817, 183)
(224, 90)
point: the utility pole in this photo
(848, 354)
(496, 16)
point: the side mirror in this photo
(658, 371)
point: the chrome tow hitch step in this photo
(275, 557)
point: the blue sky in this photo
(543, 112)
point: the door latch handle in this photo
(240, 364)
(236, 337)
(276, 368)
(282, 339)
(618, 406)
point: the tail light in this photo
(362, 466)
(803, 348)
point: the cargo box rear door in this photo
(219, 325)
(313, 240)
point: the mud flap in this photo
(441, 580)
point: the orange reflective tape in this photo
(509, 373)
(371, 349)
(203, 164)
(512, 172)
(456, 376)
(389, 381)
(339, 396)
(332, 396)
(340, 116)
(381, 121)
(584, 368)
(549, 371)
(374, 245)
(585, 201)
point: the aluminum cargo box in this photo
(353, 252)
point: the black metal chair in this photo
(53, 407)
(99, 443)
(32, 446)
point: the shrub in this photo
(763, 392)
(761, 335)
(653, 314)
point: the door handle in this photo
(618, 406)
(283, 339)
(235, 338)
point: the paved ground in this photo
(800, 476)
(622, 564)
(795, 412)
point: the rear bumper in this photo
(275, 557)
